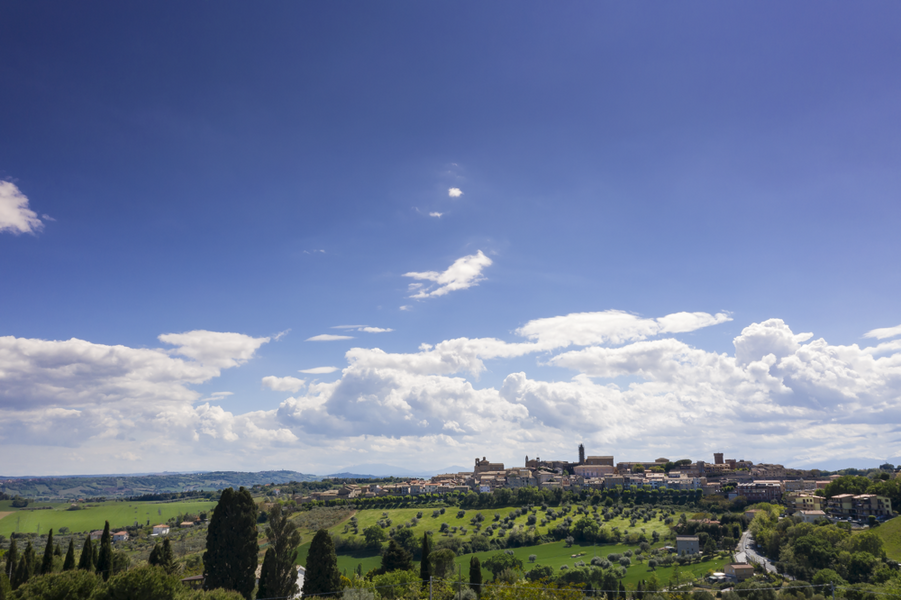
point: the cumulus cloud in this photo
(436, 214)
(885, 332)
(71, 392)
(283, 384)
(15, 216)
(328, 337)
(218, 349)
(454, 192)
(612, 327)
(635, 391)
(319, 370)
(462, 274)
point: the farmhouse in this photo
(160, 530)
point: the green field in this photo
(552, 554)
(119, 514)
(890, 532)
(401, 516)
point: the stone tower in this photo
(581, 454)
(717, 458)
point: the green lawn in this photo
(890, 532)
(119, 514)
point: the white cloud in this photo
(348, 326)
(15, 216)
(464, 273)
(885, 332)
(405, 307)
(611, 326)
(375, 329)
(779, 397)
(319, 370)
(328, 337)
(284, 384)
(218, 349)
(281, 334)
(74, 392)
(454, 192)
(436, 214)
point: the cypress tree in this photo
(94, 555)
(322, 575)
(622, 590)
(281, 580)
(86, 562)
(268, 575)
(104, 564)
(25, 567)
(57, 551)
(161, 556)
(12, 555)
(230, 560)
(47, 560)
(69, 562)
(396, 558)
(475, 575)
(425, 569)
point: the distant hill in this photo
(118, 486)
(374, 470)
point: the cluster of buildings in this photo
(757, 482)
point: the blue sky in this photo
(662, 230)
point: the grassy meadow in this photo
(119, 514)
(890, 532)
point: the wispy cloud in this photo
(328, 337)
(884, 332)
(436, 214)
(319, 370)
(363, 328)
(464, 273)
(405, 307)
(454, 192)
(281, 334)
(314, 251)
(15, 216)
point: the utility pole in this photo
(430, 589)
(832, 585)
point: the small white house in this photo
(160, 530)
(120, 536)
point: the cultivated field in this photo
(552, 554)
(119, 514)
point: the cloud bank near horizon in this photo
(635, 389)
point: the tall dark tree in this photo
(322, 575)
(396, 558)
(425, 568)
(475, 575)
(12, 556)
(57, 551)
(104, 564)
(268, 575)
(69, 562)
(281, 579)
(47, 560)
(24, 567)
(86, 561)
(230, 560)
(162, 556)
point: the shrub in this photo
(532, 558)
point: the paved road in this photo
(746, 553)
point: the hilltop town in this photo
(797, 489)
